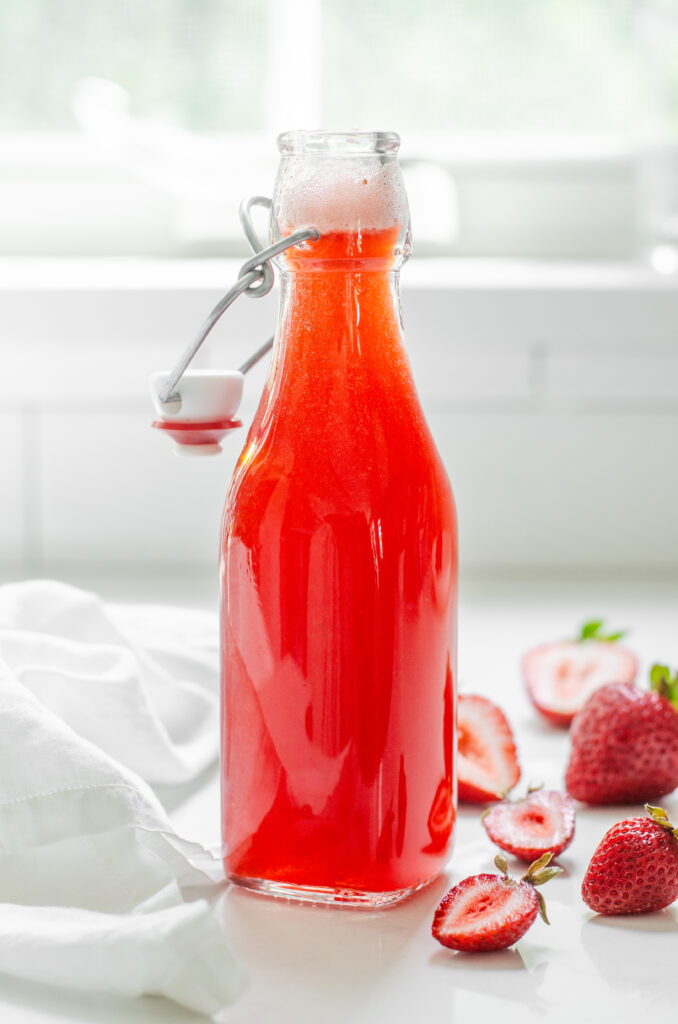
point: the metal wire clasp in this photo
(255, 279)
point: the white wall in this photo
(552, 391)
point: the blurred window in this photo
(130, 126)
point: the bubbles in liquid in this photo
(341, 194)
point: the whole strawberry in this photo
(624, 745)
(635, 868)
(487, 912)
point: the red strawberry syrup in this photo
(339, 564)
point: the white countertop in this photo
(311, 965)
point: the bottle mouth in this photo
(353, 143)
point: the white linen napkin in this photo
(93, 701)
(146, 695)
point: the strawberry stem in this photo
(538, 873)
(501, 863)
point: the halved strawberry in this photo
(560, 677)
(487, 912)
(488, 760)
(543, 822)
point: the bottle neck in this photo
(338, 316)
(339, 374)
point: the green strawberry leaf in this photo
(540, 871)
(660, 817)
(541, 863)
(590, 630)
(542, 906)
(593, 630)
(665, 682)
(501, 863)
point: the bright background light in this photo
(540, 149)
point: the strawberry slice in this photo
(487, 912)
(529, 828)
(487, 757)
(560, 677)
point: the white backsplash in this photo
(552, 394)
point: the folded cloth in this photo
(92, 666)
(180, 953)
(86, 709)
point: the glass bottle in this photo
(339, 564)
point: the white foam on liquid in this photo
(341, 194)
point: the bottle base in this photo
(352, 898)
